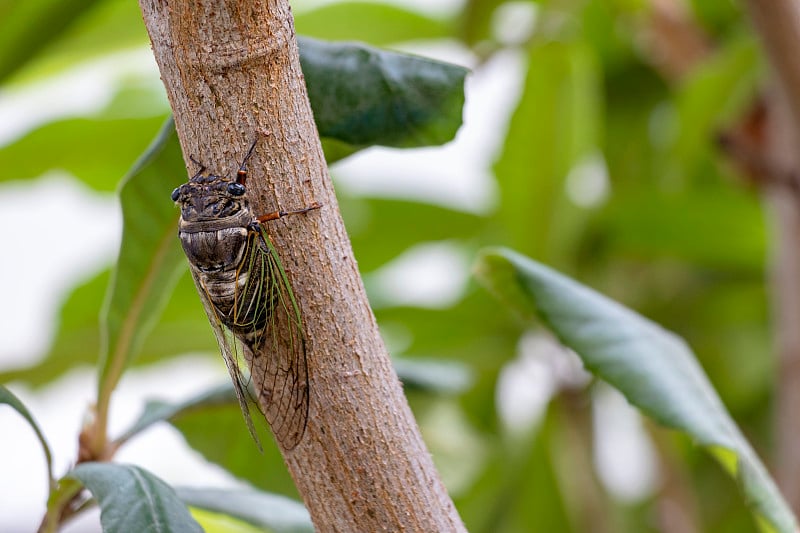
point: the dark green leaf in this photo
(336, 150)
(652, 367)
(365, 96)
(150, 258)
(8, 398)
(464, 331)
(373, 23)
(271, 511)
(132, 499)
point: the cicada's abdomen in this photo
(232, 266)
(255, 296)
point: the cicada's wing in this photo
(227, 346)
(279, 369)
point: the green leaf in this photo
(652, 367)
(685, 225)
(212, 424)
(133, 499)
(470, 332)
(182, 328)
(437, 376)
(364, 96)
(107, 27)
(555, 128)
(271, 511)
(381, 229)
(361, 97)
(150, 258)
(717, 93)
(8, 398)
(518, 488)
(220, 523)
(27, 27)
(218, 432)
(98, 150)
(373, 23)
(156, 411)
(476, 19)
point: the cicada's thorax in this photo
(218, 235)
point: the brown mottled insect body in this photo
(246, 292)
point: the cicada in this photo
(247, 296)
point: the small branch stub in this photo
(231, 71)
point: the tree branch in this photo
(231, 71)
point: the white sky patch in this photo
(428, 7)
(60, 231)
(587, 184)
(514, 22)
(427, 275)
(624, 456)
(527, 384)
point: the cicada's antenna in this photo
(241, 175)
(199, 164)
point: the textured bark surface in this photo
(231, 69)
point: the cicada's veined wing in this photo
(227, 346)
(275, 336)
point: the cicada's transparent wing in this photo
(279, 369)
(227, 346)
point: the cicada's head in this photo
(208, 197)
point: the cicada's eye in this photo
(235, 189)
(176, 194)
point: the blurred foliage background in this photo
(607, 169)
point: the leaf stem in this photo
(58, 505)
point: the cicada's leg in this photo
(280, 214)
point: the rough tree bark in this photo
(231, 71)
(778, 24)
